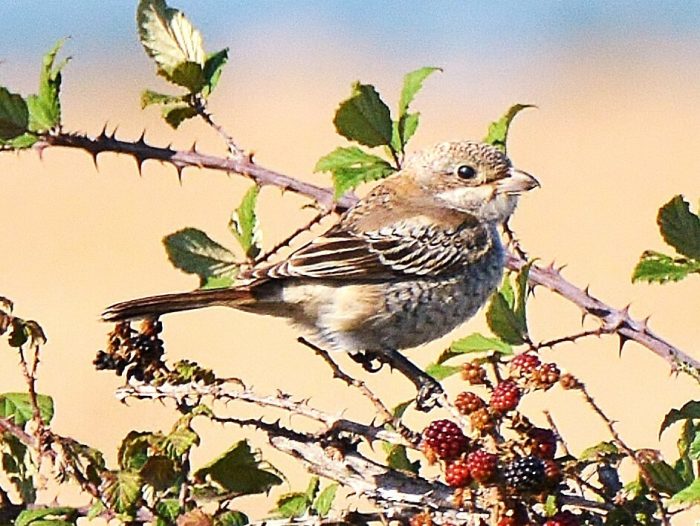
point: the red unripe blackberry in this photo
(482, 465)
(421, 519)
(468, 402)
(457, 473)
(507, 521)
(563, 518)
(542, 442)
(474, 373)
(445, 438)
(505, 396)
(523, 364)
(525, 474)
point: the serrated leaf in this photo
(688, 450)
(121, 490)
(193, 252)
(600, 450)
(522, 292)
(323, 503)
(133, 451)
(404, 129)
(195, 517)
(478, 343)
(213, 67)
(149, 97)
(240, 471)
(550, 505)
(168, 509)
(231, 518)
(180, 441)
(14, 115)
(96, 509)
(688, 495)
(440, 371)
(176, 115)
(168, 37)
(655, 267)
(364, 117)
(503, 321)
(18, 406)
(244, 223)
(690, 410)
(312, 488)
(664, 477)
(397, 458)
(20, 142)
(680, 227)
(694, 446)
(399, 409)
(18, 466)
(412, 83)
(351, 166)
(160, 472)
(45, 106)
(498, 130)
(37, 517)
(292, 505)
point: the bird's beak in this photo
(517, 183)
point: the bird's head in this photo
(472, 177)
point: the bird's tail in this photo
(154, 306)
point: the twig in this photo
(288, 240)
(570, 338)
(201, 109)
(619, 319)
(29, 374)
(630, 453)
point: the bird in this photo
(412, 260)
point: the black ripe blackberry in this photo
(525, 474)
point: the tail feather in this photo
(154, 306)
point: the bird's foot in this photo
(429, 393)
(370, 361)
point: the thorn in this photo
(179, 168)
(193, 148)
(587, 291)
(142, 139)
(623, 340)
(114, 133)
(626, 310)
(94, 159)
(583, 317)
(561, 268)
(103, 133)
(550, 267)
(139, 164)
(39, 151)
(645, 323)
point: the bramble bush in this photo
(495, 465)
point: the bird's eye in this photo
(466, 172)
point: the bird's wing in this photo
(407, 247)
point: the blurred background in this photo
(614, 137)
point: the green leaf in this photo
(189, 75)
(244, 223)
(312, 488)
(323, 503)
(503, 321)
(240, 471)
(292, 505)
(600, 450)
(660, 268)
(397, 458)
(689, 495)
(690, 410)
(97, 509)
(664, 477)
(133, 451)
(20, 142)
(45, 106)
(176, 115)
(351, 166)
(168, 510)
(149, 97)
(694, 446)
(213, 67)
(18, 406)
(14, 115)
(550, 506)
(121, 490)
(193, 252)
(180, 441)
(440, 371)
(45, 516)
(168, 37)
(479, 343)
(18, 467)
(399, 409)
(680, 227)
(522, 290)
(403, 129)
(412, 83)
(498, 130)
(231, 518)
(688, 450)
(364, 117)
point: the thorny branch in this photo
(613, 320)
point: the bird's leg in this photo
(429, 389)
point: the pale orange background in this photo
(615, 136)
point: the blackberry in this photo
(563, 518)
(546, 375)
(523, 364)
(468, 402)
(505, 396)
(482, 465)
(482, 420)
(552, 472)
(445, 438)
(421, 519)
(541, 442)
(568, 381)
(525, 474)
(474, 373)
(457, 473)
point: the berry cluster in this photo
(444, 439)
(137, 355)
